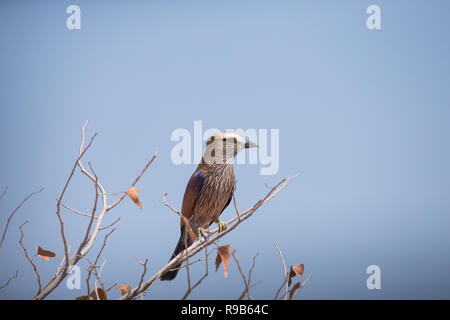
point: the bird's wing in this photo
(193, 189)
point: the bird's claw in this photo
(202, 233)
(222, 225)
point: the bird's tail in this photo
(181, 245)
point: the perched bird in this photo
(209, 190)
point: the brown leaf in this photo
(296, 270)
(223, 257)
(292, 291)
(82, 298)
(101, 294)
(133, 194)
(125, 289)
(45, 254)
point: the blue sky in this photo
(363, 117)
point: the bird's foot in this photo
(222, 225)
(202, 233)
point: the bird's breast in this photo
(216, 192)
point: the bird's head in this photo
(224, 146)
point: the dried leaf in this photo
(125, 289)
(45, 254)
(296, 270)
(101, 294)
(82, 298)
(292, 291)
(223, 257)
(133, 194)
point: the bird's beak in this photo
(249, 144)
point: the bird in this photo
(209, 191)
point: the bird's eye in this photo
(224, 139)
(210, 140)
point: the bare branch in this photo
(76, 211)
(99, 274)
(190, 289)
(246, 282)
(58, 205)
(242, 274)
(235, 206)
(110, 225)
(91, 220)
(302, 285)
(10, 279)
(28, 257)
(93, 266)
(187, 263)
(190, 264)
(198, 246)
(110, 288)
(279, 290)
(144, 265)
(87, 245)
(285, 271)
(135, 180)
(14, 212)
(168, 205)
(4, 192)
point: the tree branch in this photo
(3, 193)
(285, 272)
(302, 285)
(244, 278)
(9, 280)
(190, 289)
(198, 246)
(90, 237)
(14, 212)
(246, 283)
(28, 257)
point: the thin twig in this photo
(14, 212)
(10, 279)
(4, 192)
(144, 265)
(302, 285)
(110, 225)
(94, 209)
(135, 180)
(94, 265)
(279, 290)
(190, 264)
(235, 206)
(76, 211)
(188, 292)
(58, 205)
(110, 288)
(246, 282)
(168, 205)
(285, 271)
(28, 257)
